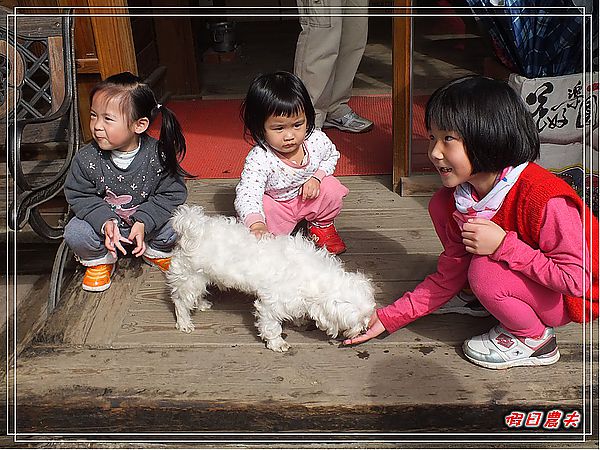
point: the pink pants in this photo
(282, 217)
(523, 307)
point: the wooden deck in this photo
(114, 362)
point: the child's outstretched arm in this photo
(436, 289)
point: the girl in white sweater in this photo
(288, 174)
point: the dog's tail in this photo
(187, 219)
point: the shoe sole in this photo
(525, 362)
(343, 128)
(96, 288)
(99, 288)
(330, 252)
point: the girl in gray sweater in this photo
(124, 185)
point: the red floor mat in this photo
(216, 148)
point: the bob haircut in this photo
(274, 94)
(496, 127)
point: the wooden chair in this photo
(39, 105)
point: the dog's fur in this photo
(291, 279)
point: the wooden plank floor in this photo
(115, 362)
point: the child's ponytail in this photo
(172, 143)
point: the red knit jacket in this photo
(523, 212)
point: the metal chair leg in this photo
(63, 255)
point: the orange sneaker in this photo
(162, 263)
(97, 278)
(327, 237)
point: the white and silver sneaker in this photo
(351, 122)
(500, 349)
(463, 303)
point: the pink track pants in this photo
(282, 217)
(522, 306)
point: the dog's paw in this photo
(203, 305)
(185, 327)
(278, 345)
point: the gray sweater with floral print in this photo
(97, 190)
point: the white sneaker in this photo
(351, 122)
(500, 349)
(463, 303)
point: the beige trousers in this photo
(328, 53)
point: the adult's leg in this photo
(317, 52)
(353, 41)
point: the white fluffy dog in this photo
(291, 279)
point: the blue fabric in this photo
(536, 44)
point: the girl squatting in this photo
(124, 185)
(287, 176)
(509, 228)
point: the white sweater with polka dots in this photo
(266, 173)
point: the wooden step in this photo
(114, 362)
(381, 386)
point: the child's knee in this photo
(485, 277)
(332, 188)
(79, 234)
(164, 238)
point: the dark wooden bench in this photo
(38, 103)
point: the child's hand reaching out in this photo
(482, 236)
(374, 330)
(311, 189)
(137, 236)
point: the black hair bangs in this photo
(494, 123)
(283, 104)
(444, 112)
(274, 94)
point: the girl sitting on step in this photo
(124, 185)
(287, 176)
(509, 227)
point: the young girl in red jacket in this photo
(510, 229)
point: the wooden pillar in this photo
(113, 38)
(401, 106)
(177, 51)
(103, 47)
